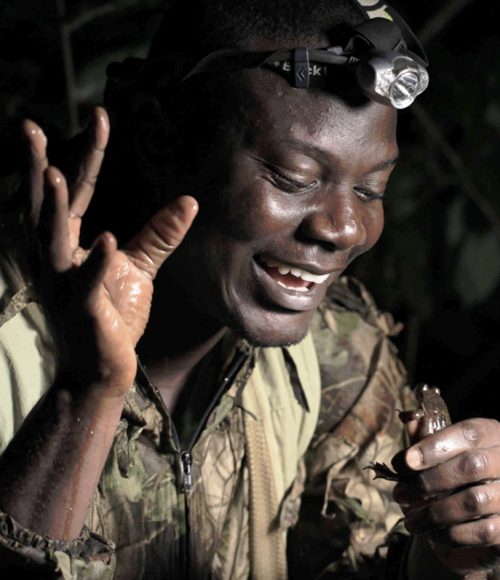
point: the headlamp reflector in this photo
(395, 81)
(404, 89)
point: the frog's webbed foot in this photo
(383, 471)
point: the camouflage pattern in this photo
(338, 516)
(363, 387)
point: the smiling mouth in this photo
(290, 277)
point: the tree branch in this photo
(441, 20)
(69, 69)
(89, 15)
(458, 165)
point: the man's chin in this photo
(266, 337)
(258, 341)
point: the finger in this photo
(470, 467)
(469, 504)
(484, 532)
(92, 272)
(467, 562)
(162, 234)
(411, 423)
(412, 428)
(400, 466)
(452, 441)
(37, 164)
(53, 223)
(84, 185)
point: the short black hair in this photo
(198, 27)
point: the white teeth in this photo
(283, 269)
(298, 289)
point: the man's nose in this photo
(336, 222)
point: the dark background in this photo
(437, 267)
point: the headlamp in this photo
(386, 59)
(392, 79)
(385, 68)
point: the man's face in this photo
(289, 196)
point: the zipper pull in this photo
(187, 461)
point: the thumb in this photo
(162, 234)
(412, 424)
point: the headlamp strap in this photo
(411, 40)
(379, 34)
(300, 61)
(372, 9)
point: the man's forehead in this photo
(273, 104)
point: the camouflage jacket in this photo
(257, 460)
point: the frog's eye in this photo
(437, 391)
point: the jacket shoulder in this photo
(359, 365)
(350, 295)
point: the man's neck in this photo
(176, 339)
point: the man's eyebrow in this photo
(306, 147)
(384, 165)
(319, 152)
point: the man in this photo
(191, 457)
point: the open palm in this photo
(98, 300)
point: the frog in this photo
(432, 415)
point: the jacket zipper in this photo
(187, 461)
(185, 456)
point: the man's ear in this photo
(155, 137)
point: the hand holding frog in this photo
(453, 493)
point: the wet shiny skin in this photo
(299, 182)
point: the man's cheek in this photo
(374, 226)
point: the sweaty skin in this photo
(296, 178)
(292, 177)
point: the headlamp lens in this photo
(404, 89)
(392, 81)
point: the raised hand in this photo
(98, 300)
(98, 303)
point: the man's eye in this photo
(289, 185)
(368, 194)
